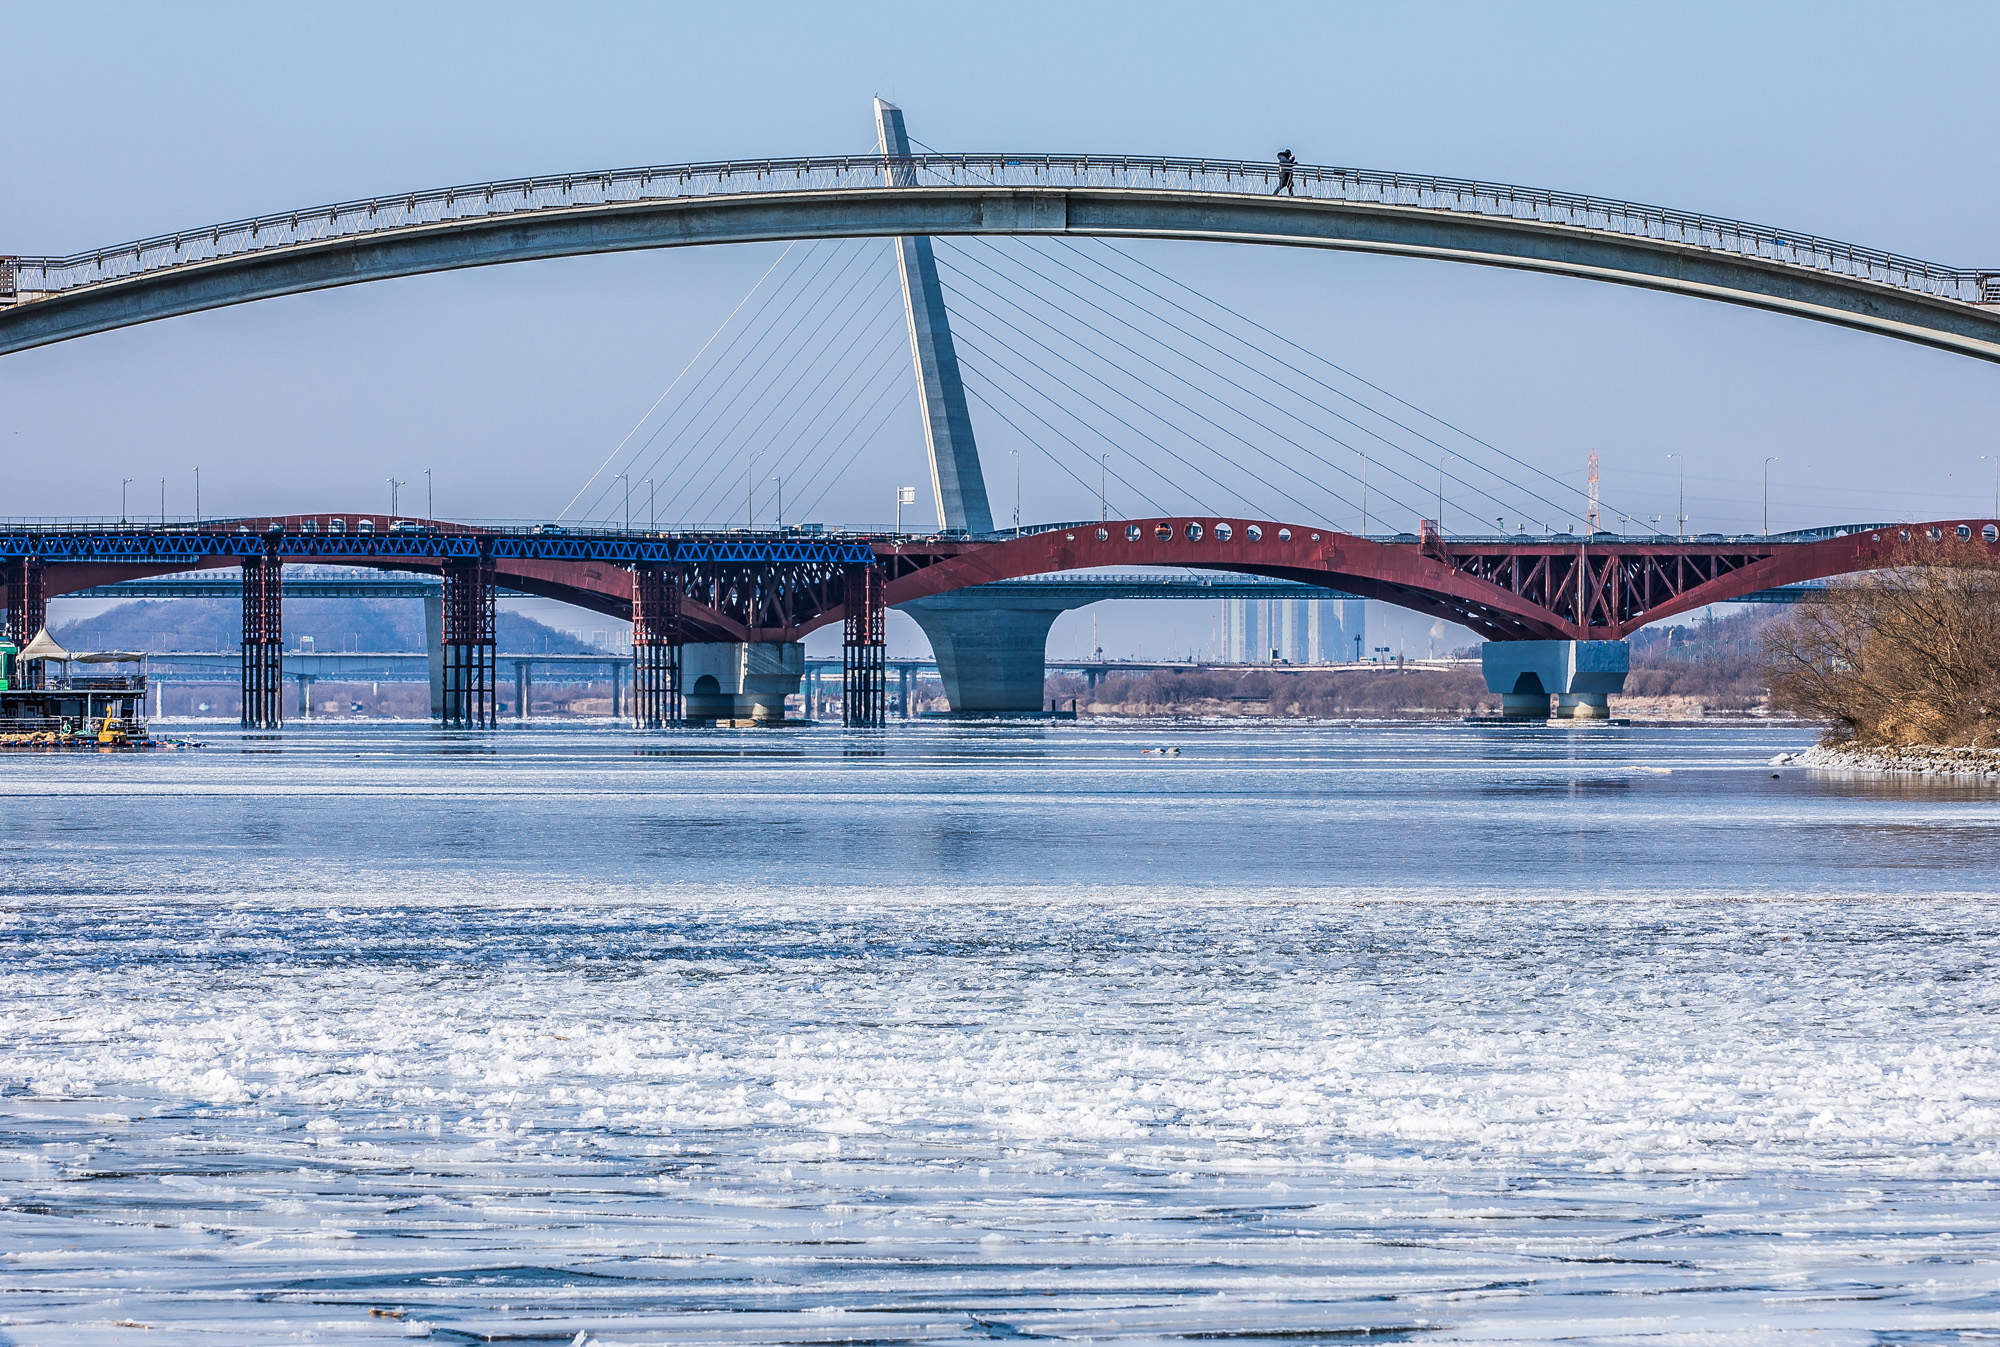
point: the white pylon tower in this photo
(1590, 519)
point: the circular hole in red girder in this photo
(1193, 532)
(1223, 533)
(1254, 532)
(1132, 533)
(1163, 531)
(1284, 535)
(1991, 533)
(1103, 535)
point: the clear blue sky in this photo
(1866, 123)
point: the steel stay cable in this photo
(1307, 351)
(717, 376)
(1388, 466)
(1267, 428)
(1267, 484)
(719, 439)
(873, 430)
(677, 378)
(985, 402)
(875, 376)
(1459, 454)
(1015, 398)
(749, 327)
(1064, 467)
(837, 306)
(777, 347)
(1088, 401)
(1265, 400)
(782, 459)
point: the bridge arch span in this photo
(1502, 589)
(51, 299)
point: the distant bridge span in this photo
(52, 299)
(779, 587)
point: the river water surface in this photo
(946, 1034)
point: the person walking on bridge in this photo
(1285, 166)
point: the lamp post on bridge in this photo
(781, 499)
(394, 485)
(1681, 519)
(1767, 493)
(430, 504)
(1016, 454)
(905, 495)
(121, 498)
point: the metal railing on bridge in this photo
(24, 279)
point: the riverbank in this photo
(1917, 760)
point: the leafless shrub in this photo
(1908, 655)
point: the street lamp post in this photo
(1103, 481)
(1017, 490)
(197, 493)
(1767, 493)
(430, 502)
(121, 497)
(1681, 519)
(781, 499)
(393, 486)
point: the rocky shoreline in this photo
(1914, 760)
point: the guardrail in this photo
(42, 277)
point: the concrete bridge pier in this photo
(1580, 675)
(990, 648)
(737, 680)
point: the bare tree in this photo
(1907, 655)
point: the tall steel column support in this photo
(27, 614)
(656, 647)
(865, 650)
(263, 642)
(469, 700)
(955, 473)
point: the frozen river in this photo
(948, 1034)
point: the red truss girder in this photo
(1503, 591)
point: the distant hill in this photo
(333, 624)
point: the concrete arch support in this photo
(911, 211)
